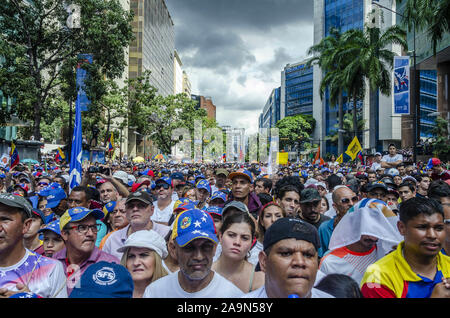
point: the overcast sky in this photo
(234, 50)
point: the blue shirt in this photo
(101, 233)
(325, 231)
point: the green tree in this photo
(441, 142)
(348, 123)
(294, 130)
(373, 60)
(330, 58)
(40, 52)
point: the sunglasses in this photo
(163, 185)
(42, 184)
(347, 200)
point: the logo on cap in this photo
(186, 222)
(104, 276)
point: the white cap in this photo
(121, 175)
(148, 239)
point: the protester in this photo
(52, 241)
(31, 237)
(263, 185)
(241, 190)
(23, 270)
(203, 189)
(143, 252)
(393, 159)
(417, 268)
(310, 207)
(339, 286)
(438, 171)
(195, 241)
(218, 199)
(288, 198)
(406, 191)
(440, 191)
(163, 207)
(236, 236)
(289, 261)
(139, 210)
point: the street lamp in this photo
(416, 93)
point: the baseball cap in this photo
(204, 184)
(104, 280)
(164, 179)
(78, 214)
(177, 175)
(186, 205)
(143, 196)
(52, 226)
(377, 153)
(122, 176)
(246, 174)
(136, 186)
(377, 184)
(39, 214)
(214, 210)
(237, 205)
(222, 171)
(148, 239)
(286, 228)
(147, 172)
(193, 224)
(109, 207)
(16, 201)
(25, 295)
(393, 172)
(219, 195)
(54, 194)
(309, 195)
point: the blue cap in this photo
(193, 224)
(78, 214)
(177, 175)
(104, 280)
(109, 207)
(247, 174)
(34, 201)
(54, 194)
(200, 176)
(2, 175)
(219, 195)
(25, 295)
(52, 226)
(214, 210)
(165, 179)
(204, 184)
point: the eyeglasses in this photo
(83, 229)
(347, 200)
(164, 185)
(42, 184)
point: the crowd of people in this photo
(228, 230)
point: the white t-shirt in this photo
(254, 253)
(169, 287)
(375, 166)
(261, 293)
(43, 276)
(387, 158)
(162, 215)
(344, 261)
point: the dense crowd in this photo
(228, 230)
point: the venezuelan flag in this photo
(111, 142)
(14, 155)
(59, 155)
(361, 158)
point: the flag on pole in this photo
(14, 155)
(340, 159)
(111, 142)
(318, 159)
(75, 156)
(354, 148)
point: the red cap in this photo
(136, 186)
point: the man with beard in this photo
(310, 207)
(417, 268)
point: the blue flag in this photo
(75, 157)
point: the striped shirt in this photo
(344, 261)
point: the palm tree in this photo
(348, 123)
(329, 58)
(373, 60)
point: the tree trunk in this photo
(341, 126)
(37, 120)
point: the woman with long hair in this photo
(236, 237)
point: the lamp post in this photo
(416, 93)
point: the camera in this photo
(93, 169)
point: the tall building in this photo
(297, 89)
(381, 125)
(271, 111)
(186, 84)
(178, 75)
(153, 49)
(207, 104)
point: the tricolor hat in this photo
(52, 226)
(246, 174)
(54, 194)
(204, 184)
(219, 195)
(78, 214)
(214, 210)
(109, 207)
(193, 224)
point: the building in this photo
(381, 125)
(271, 111)
(207, 104)
(186, 84)
(178, 75)
(152, 49)
(297, 89)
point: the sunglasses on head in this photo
(347, 200)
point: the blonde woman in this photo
(142, 256)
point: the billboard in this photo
(401, 85)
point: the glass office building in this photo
(298, 89)
(428, 102)
(271, 112)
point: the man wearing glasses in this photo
(343, 199)
(164, 205)
(79, 232)
(139, 210)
